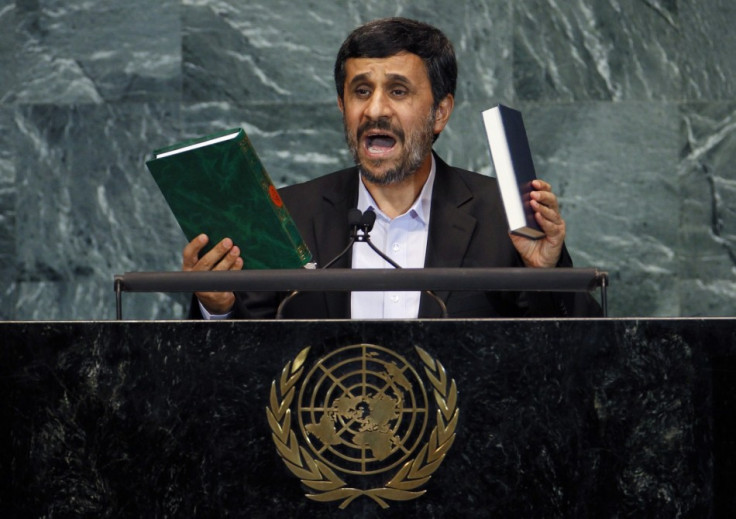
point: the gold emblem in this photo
(361, 411)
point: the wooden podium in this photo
(555, 418)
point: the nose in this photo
(379, 106)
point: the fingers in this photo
(553, 230)
(223, 256)
(190, 254)
(548, 211)
(544, 201)
(543, 194)
(544, 253)
(540, 185)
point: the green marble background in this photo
(629, 105)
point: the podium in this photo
(555, 417)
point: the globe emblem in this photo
(363, 409)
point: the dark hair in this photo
(387, 37)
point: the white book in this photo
(512, 159)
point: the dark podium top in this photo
(555, 418)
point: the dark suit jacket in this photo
(467, 229)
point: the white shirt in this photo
(404, 240)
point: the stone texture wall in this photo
(629, 105)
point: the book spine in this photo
(299, 246)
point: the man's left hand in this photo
(544, 252)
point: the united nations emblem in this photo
(363, 411)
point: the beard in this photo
(415, 148)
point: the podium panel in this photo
(423, 418)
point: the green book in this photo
(218, 186)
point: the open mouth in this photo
(379, 143)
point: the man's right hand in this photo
(223, 256)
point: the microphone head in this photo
(354, 217)
(366, 223)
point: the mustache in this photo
(381, 124)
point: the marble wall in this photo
(629, 105)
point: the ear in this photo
(443, 112)
(340, 104)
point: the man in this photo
(395, 81)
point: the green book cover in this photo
(218, 186)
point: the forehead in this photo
(404, 64)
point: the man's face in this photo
(388, 115)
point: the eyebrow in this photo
(391, 77)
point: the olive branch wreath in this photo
(328, 486)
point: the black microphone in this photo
(366, 221)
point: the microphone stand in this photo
(357, 222)
(360, 227)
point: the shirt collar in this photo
(419, 209)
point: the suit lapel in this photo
(451, 228)
(331, 235)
